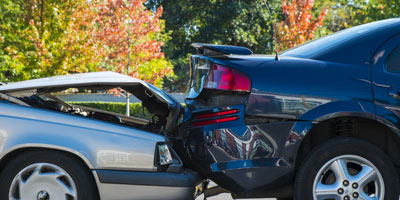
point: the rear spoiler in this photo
(219, 50)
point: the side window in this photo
(393, 62)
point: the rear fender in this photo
(308, 120)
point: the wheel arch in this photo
(356, 126)
(23, 147)
(19, 150)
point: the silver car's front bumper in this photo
(129, 185)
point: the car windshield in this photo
(315, 47)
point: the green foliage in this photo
(247, 23)
(368, 11)
(122, 36)
(348, 13)
(13, 41)
(136, 109)
(244, 23)
(32, 38)
(40, 38)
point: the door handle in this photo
(394, 92)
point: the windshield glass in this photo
(315, 47)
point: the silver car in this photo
(50, 149)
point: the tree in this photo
(121, 36)
(348, 13)
(244, 23)
(298, 26)
(32, 38)
(11, 42)
(40, 38)
(362, 11)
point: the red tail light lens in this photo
(217, 114)
(215, 121)
(222, 114)
(225, 78)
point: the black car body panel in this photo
(258, 149)
(356, 45)
(210, 49)
(385, 83)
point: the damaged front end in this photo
(162, 111)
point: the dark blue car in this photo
(319, 121)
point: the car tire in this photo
(341, 168)
(40, 174)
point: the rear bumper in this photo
(124, 185)
(244, 159)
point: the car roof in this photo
(84, 79)
(355, 45)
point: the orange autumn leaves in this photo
(121, 36)
(41, 38)
(299, 25)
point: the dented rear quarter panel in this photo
(292, 87)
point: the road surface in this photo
(225, 196)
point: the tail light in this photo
(225, 78)
(215, 121)
(216, 114)
(221, 116)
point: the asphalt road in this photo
(225, 196)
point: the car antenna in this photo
(273, 30)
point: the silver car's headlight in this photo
(164, 154)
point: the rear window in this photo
(316, 47)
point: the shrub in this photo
(136, 109)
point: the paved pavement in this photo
(225, 196)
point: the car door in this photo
(385, 68)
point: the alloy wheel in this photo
(348, 177)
